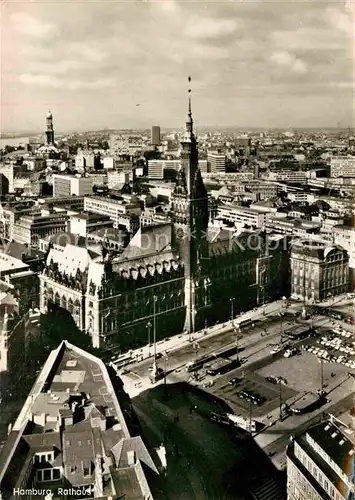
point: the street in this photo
(204, 458)
(301, 374)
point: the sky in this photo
(125, 64)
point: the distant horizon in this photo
(236, 128)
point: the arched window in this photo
(64, 302)
(57, 299)
(70, 306)
(76, 308)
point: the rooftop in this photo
(71, 430)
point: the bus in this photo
(222, 366)
(246, 322)
(226, 352)
(298, 334)
(193, 366)
(309, 403)
(244, 423)
(123, 360)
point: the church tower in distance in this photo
(50, 129)
(190, 217)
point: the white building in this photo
(297, 176)
(108, 162)
(243, 216)
(114, 177)
(156, 168)
(114, 209)
(216, 161)
(71, 185)
(344, 236)
(228, 177)
(125, 144)
(342, 166)
(320, 463)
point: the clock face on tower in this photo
(180, 233)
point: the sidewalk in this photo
(135, 384)
(337, 393)
(179, 341)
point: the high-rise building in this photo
(320, 462)
(156, 135)
(71, 185)
(216, 161)
(243, 144)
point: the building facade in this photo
(70, 185)
(318, 270)
(344, 236)
(342, 166)
(113, 208)
(216, 161)
(156, 135)
(177, 276)
(157, 168)
(71, 438)
(320, 463)
(30, 228)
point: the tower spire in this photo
(189, 123)
(50, 129)
(190, 113)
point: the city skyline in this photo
(125, 65)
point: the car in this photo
(272, 380)
(276, 350)
(235, 381)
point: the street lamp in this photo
(196, 347)
(148, 326)
(264, 311)
(165, 361)
(231, 300)
(280, 397)
(321, 376)
(155, 369)
(237, 337)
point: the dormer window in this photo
(43, 457)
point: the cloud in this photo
(32, 27)
(89, 53)
(306, 38)
(205, 27)
(167, 6)
(51, 81)
(288, 50)
(290, 61)
(342, 20)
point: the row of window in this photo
(46, 475)
(316, 472)
(43, 457)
